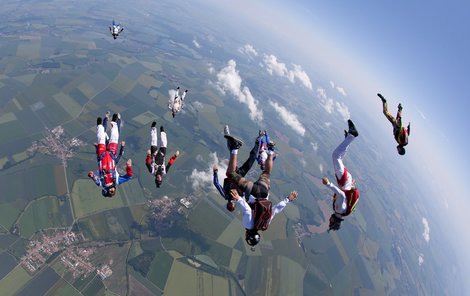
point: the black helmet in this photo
(252, 237)
(335, 222)
(401, 150)
(158, 180)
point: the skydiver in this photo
(399, 132)
(345, 196)
(178, 102)
(242, 171)
(251, 219)
(258, 192)
(155, 160)
(107, 176)
(116, 30)
(262, 151)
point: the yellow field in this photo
(14, 281)
(87, 199)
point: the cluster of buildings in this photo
(41, 249)
(77, 261)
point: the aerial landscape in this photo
(60, 69)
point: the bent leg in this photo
(232, 163)
(339, 153)
(243, 170)
(389, 117)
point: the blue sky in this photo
(414, 52)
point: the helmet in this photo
(335, 222)
(252, 237)
(158, 180)
(401, 150)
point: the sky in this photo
(413, 52)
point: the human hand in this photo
(123, 143)
(91, 174)
(129, 162)
(148, 152)
(325, 181)
(234, 194)
(177, 153)
(292, 196)
(215, 168)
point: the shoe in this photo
(345, 133)
(352, 129)
(271, 146)
(99, 121)
(382, 98)
(154, 124)
(226, 130)
(400, 107)
(162, 129)
(233, 143)
(115, 117)
(258, 138)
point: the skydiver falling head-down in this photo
(257, 212)
(116, 30)
(155, 160)
(177, 103)
(345, 195)
(263, 149)
(242, 171)
(399, 132)
(107, 176)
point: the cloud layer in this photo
(202, 180)
(288, 118)
(248, 50)
(229, 81)
(275, 67)
(426, 230)
(330, 105)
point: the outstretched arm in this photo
(172, 160)
(215, 181)
(128, 176)
(148, 162)
(95, 178)
(121, 151)
(282, 204)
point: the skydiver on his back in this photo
(345, 195)
(242, 171)
(258, 211)
(155, 160)
(263, 148)
(107, 176)
(178, 102)
(399, 132)
(116, 30)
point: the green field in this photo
(108, 225)
(14, 281)
(87, 199)
(160, 269)
(63, 288)
(8, 215)
(69, 104)
(208, 219)
(44, 213)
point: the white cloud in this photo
(203, 179)
(249, 50)
(343, 110)
(329, 105)
(228, 80)
(338, 88)
(421, 114)
(314, 146)
(210, 68)
(288, 118)
(320, 167)
(341, 91)
(303, 162)
(273, 66)
(196, 43)
(327, 124)
(321, 92)
(302, 76)
(420, 259)
(426, 230)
